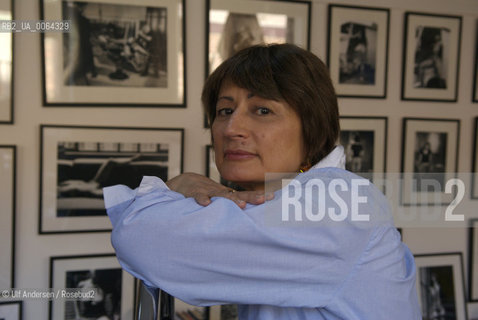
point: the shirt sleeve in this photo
(223, 254)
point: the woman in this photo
(272, 109)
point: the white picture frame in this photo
(430, 67)
(424, 177)
(77, 162)
(358, 50)
(111, 67)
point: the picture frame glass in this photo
(358, 44)
(78, 162)
(115, 53)
(7, 199)
(113, 287)
(234, 25)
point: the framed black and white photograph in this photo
(358, 50)
(236, 24)
(365, 145)
(78, 161)
(114, 288)
(474, 174)
(7, 215)
(431, 57)
(440, 286)
(6, 66)
(429, 159)
(11, 310)
(116, 53)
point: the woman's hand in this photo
(202, 189)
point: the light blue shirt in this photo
(273, 270)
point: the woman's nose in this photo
(237, 124)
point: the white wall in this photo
(33, 251)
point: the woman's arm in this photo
(221, 253)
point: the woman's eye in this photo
(263, 110)
(224, 111)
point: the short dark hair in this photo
(289, 73)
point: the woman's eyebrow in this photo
(225, 98)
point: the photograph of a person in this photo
(359, 151)
(358, 44)
(113, 289)
(437, 289)
(272, 109)
(430, 158)
(235, 26)
(85, 168)
(115, 45)
(358, 50)
(106, 304)
(229, 32)
(431, 57)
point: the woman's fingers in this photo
(202, 189)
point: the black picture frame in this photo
(78, 161)
(357, 42)
(372, 133)
(11, 310)
(430, 71)
(249, 11)
(7, 42)
(474, 97)
(116, 54)
(429, 153)
(7, 220)
(101, 272)
(472, 260)
(443, 271)
(474, 177)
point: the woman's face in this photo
(254, 136)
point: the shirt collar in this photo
(335, 159)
